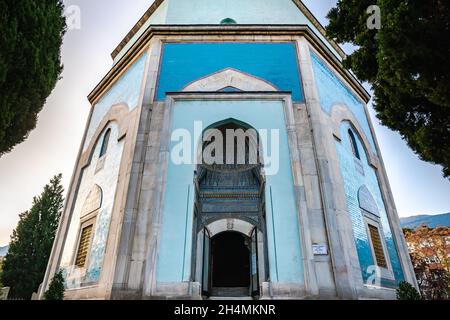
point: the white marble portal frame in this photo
(187, 289)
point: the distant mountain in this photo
(3, 251)
(440, 220)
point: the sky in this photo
(418, 187)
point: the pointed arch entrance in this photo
(230, 256)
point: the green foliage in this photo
(56, 288)
(31, 243)
(406, 291)
(407, 64)
(30, 40)
(434, 281)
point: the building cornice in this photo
(319, 27)
(155, 5)
(185, 31)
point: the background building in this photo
(138, 225)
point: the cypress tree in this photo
(30, 40)
(56, 288)
(31, 243)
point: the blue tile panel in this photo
(353, 181)
(183, 63)
(332, 91)
(98, 247)
(126, 89)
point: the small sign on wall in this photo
(320, 249)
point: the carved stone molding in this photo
(229, 77)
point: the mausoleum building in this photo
(306, 212)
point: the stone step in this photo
(230, 291)
(230, 298)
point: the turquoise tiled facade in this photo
(185, 62)
(354, 180)
(105, 178)
(126, 90)
(359, 177)
(98, 247)
(332, 91)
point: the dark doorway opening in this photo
(230, 189)
(230, 260)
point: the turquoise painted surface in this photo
(242, 11)
(126, 90)
(201, 12)
(354, 178)
(183, 63)
(332, 91)
(98, 247)
(288, 267)
(269, 12)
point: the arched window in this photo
(105, 143)
(354, 144)
(228, 21)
